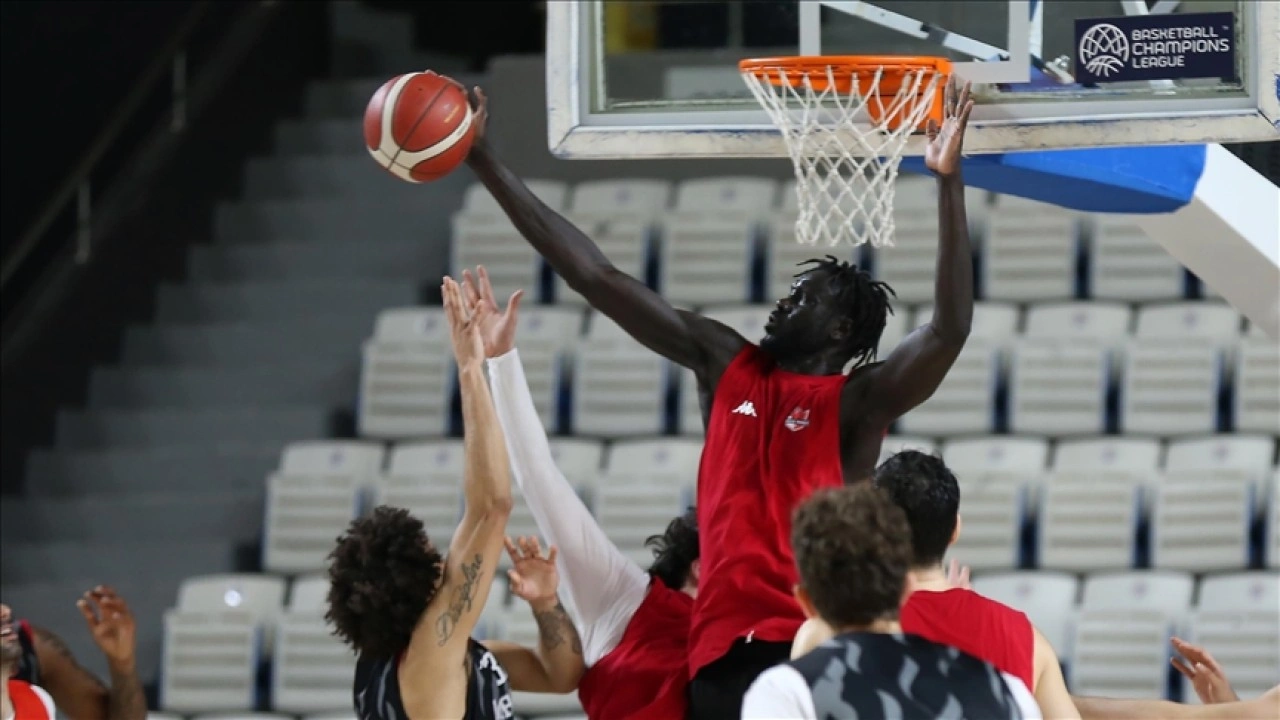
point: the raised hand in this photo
(497, 326)
(958, 575)
(534, 578)
(942, 154)
(464, 333)
(111, 624)
(480, 112)
(1205, 674)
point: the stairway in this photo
(160, 476)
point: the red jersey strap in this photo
(30, 702)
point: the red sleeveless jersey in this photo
(773, 438)
(977, 625)
(645, 676)
(30, 702)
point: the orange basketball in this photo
(419, 126)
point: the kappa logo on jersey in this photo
(746, 408)
(797, 420)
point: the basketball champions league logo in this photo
(1156, 47)
(1104, 50)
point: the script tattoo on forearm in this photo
(459, 600)
(555, 626)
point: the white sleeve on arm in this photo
(780, 693)
(603, 585)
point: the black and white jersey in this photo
(377, 688)
(905, 677)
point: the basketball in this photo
(419, 126)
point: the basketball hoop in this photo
(845, 171)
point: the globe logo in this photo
(1104, 50)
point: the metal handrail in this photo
(75, 188)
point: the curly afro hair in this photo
(382, 574)
(675, 550)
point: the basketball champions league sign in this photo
(1156, 47)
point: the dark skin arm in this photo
(880, 394)
(75, 691)
(685, 338)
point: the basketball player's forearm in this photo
(559, 646)
(487, 476)
(953, 289)
(126, 700)
(1092, 708)
(573, 255)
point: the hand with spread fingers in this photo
(946, 141)
(958, 575)
(533, 576)
(497, 325)
(1206, 675)
(111, 624)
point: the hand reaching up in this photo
(1205, 674)
(464, 333)
(111, 624)
(534, 578)
(497, 326)
(946, 141)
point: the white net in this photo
(845, 170)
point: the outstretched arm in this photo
(915, 369)
(685, 338)
(603, 586)
(75, 690)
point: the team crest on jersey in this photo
(797, 420)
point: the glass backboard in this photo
(636, 79)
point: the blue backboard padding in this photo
(1136, 180)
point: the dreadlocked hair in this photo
(863, 300)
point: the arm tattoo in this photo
(555, 626)
(459, 600)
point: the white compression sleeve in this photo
(603, 585)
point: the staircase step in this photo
(369, 223)
(301, 382)
(386, 259)
(337, 337)
(321, 134)
(227, 467)
(284, 301)
(348, 99)
(215, 514)
(100, 429)
(111, 562)
(334, 177)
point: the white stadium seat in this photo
(479, 201)
(1103, 322)
(620, 385)
(1141, 455)
(625, 240)
(1257, 396)
(1200, 521)
(1184, 320)
(312, 667)
(425, 478)
(910, 266)
(1088, 521)
(304, 514)
(1238, 618)
(993, 322)
(1058, 387)
(210, 661)
(995, 454)
(1170, 388)
(1126, 264)
(965, 401)
(1030, 252)
(406, 375)
(634, 198)
(333, 457)
(992, 510)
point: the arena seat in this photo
(492, 241)
(1238, 617)
(668, 463)
(1122, 634)
(1201, 520)
(312, 668)
(631, 513)
(993, 509)
(620, 198)
(619, 385)
(426, 478)
(1030, 252)
(1213, 321)
(1104, 322)
(581, 460)
(993, 322)
(1272, 541)
(1250, 455)
(627, 241)
(1170, 388)
(1088, 521)
(709, 239)
(910, 267)
(1059, 387)
(1257, 385)
(995, 454)
(406, 375)
(210, 661)
(1126, 454)
(965, 401)
(1125, 264)
(304, 514)
(342, 457)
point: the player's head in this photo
(10, 646)
(853, 550)
(928, 493)
(675, 553)
(382, 574)
(833, 307)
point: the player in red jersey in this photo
(928, 493)
(634, 624)
(782, 417)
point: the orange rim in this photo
(837, 72)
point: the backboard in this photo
(635, 79)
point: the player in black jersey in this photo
(409, 611)
(853, 550)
